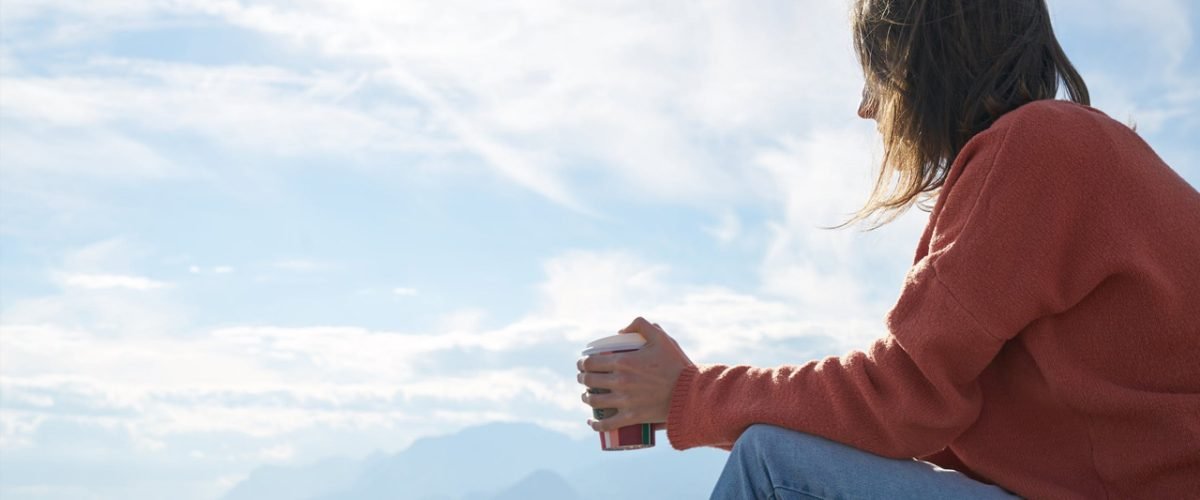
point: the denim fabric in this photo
(770, 462)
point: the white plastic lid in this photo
(620, 342)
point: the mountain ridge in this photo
(494, 461)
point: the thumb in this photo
(651, 331)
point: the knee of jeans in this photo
(758, 438)
(765, 440)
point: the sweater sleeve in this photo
(1008, 242)
(880, 400)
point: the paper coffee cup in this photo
(630, 437)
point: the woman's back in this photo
(1046, 338)
(1062, 233)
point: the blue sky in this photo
(241, 233)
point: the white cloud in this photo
(593, 294)
(501, 388)
(102, 291)
(537, 90)
(108, 311)
(543, 92)
(280, 453)
(16, 430)
(404, 291)
(819, 180)
(727, 229)
(103, 281)
(19, 11)
(214, 270)
(88, 153)
(112, 253)
(600, 288)
(265, 381)
(116, 119)
(251, 381)
(63, 102)
(462, 320)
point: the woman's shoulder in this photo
(1066, 152)
(1052, 109)
(1050, 150)
(1055, 123)
(1058, 132)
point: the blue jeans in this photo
(770, 462)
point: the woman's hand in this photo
(640, 381)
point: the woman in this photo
(1046, 342)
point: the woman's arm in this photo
(1022, 230)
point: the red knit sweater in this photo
(1047, 337)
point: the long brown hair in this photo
(940, 71)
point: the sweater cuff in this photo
(678, 423)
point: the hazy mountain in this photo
(297, 483)
(538, 485)
(485, 458)
(660, 472)
(498, 461)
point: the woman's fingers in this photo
(606, 400)
(606, 362)
(599, 380)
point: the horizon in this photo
(241, 234)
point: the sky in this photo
(239, 233)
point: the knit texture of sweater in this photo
(1047, 336)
